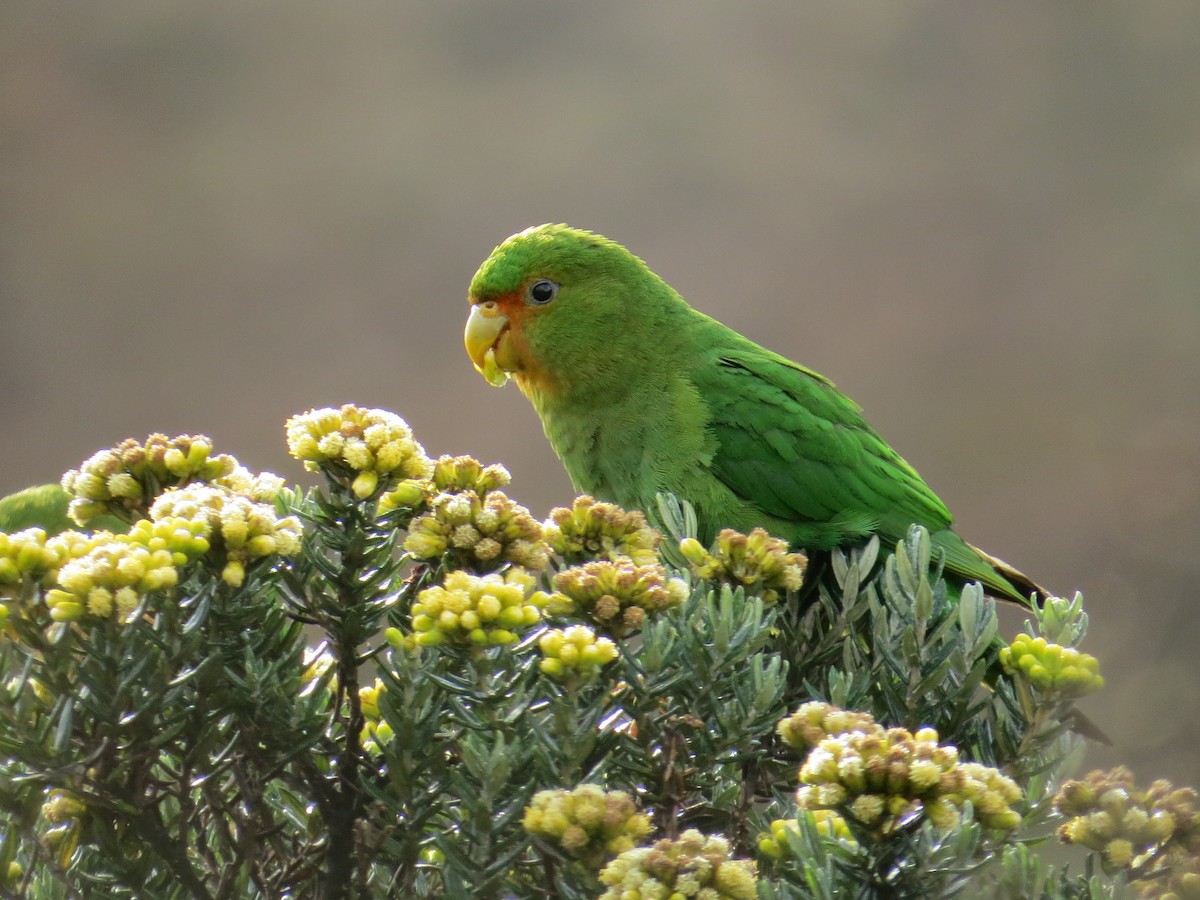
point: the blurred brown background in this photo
(980, 220)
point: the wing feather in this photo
(791, 444)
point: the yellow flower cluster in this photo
(1052, 668)
(317, 662)
(451, 475)
(24, 556)
(575, 651)
(261, 487)
(62, 806)
(484, 610)
(376, 733)
(816, 720)
(758, 562)
(880, 776)
(461, 474)
(240, 530)
(102, 574)
(479, 533)
(1153, 835)
(30, 557)
(124, 480)
(588, 823)
(12, 873)
(368, 699)
(400, 642)
(64, 812)
(775, 845)
(411, 494)
(118, 570)
(695, 865)
(1181, 881)
(617, 595)
(593, 530)
(359, 446)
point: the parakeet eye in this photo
(542, 291)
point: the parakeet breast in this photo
(636, 443)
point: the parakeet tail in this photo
(1025, 586)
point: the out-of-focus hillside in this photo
(980, 220)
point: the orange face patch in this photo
(529, 374)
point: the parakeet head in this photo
(552, 297)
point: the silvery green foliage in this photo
(214, 759)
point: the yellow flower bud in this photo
(592, 530)
(261, 545)
(234, 573)
(425, 545)
(365, 484)
(694, 551)
(56, 597)
(358, 456)
(1118, 852)
(122, 484)
(127, 601)
(99, 602)
(176, 462)
(884, 775)
(62, 806)
(406, 495)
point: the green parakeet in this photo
(639, 393)
(45, 507)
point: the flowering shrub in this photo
(401, 683)
(587, 823)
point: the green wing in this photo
(799, 451)
(45, 507)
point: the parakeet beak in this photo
(487, 344)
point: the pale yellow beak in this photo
(487, 343)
